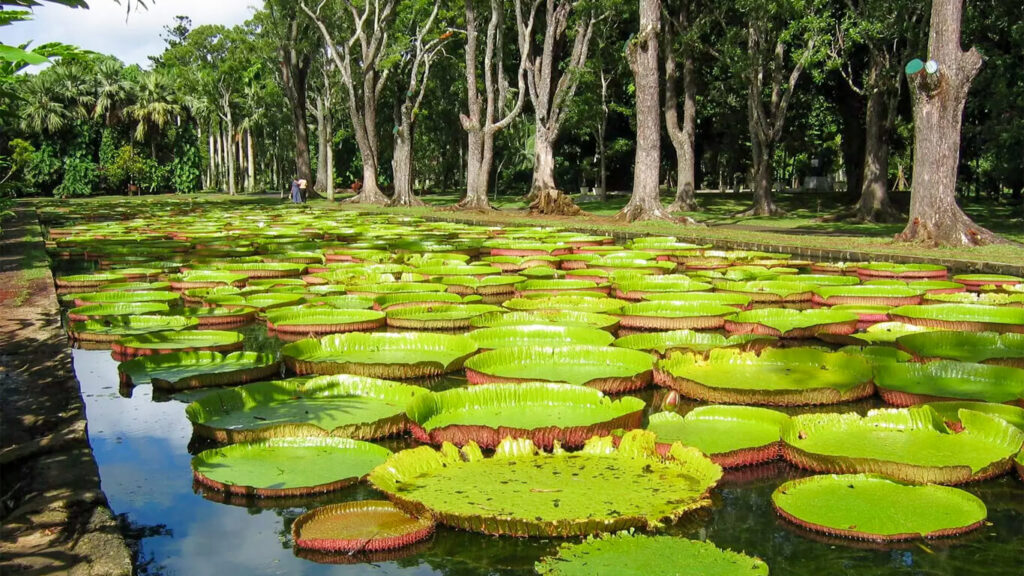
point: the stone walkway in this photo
(54, 518)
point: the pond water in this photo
(143, 446)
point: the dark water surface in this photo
(142, 445)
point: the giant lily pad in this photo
(731, 435)
(723, 298)
(988, 347)
(871, 507)
(968, 317)
(867, 295)
(82, 299)
(184, 370)
(88, 280)
(636, 289)
(664, 343)
(611, 370)
(557, 317)
(260, 301)
(539, 335)
(98, 311)
(785, 323)
(403, 299)
(488, 285)
(626, 554)
(887, 332)
(664, 315)
(769, 290)
(909, 383)
(912, 445)
(287, 466)
(440, 317)
(358, 528)
(164, 342)
(395, 288)
(379, 355)
(544, 412)
(950, 412)
(901, 271)
(206, 279)
(779, 377)
(522, 492)
(339, 405)
(220, 316)
(555, 286)
(320, 321)
(572, 302)
(113, 328)
(976, 281)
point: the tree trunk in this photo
(763, 179)
(322, 144)
(229, 148)
(683, 138)
(402, 166)
(874, 204)
(850, 106)
(547, 198)
(294, 75)
(938, 101)
(477, 174)
(249, 161)
(642, 54)
(212, 160)
(329, 124)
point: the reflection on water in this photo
(143, 449)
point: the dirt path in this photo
(55, 518)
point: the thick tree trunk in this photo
(294, 76)
(545, 195)
(642, 53)
(874, 204)
(763, 180)
(402, 166)
(850, 106)
(938, 101)
(330, 156)
(683, 137)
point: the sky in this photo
(102, 28)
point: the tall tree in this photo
(295, 39)
(551, 85)
(939, 97)
(359, 61)
(683, 136)
(889, 31)
(642, 54)
(418, 54)
(781, 40)
(153, 109)
(482, 121)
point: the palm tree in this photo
(114, 89)
(153, 109)
(43, 110)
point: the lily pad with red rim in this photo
(611, 370)
(731, 435)
(358, 527)
(380, 355)
(785, 323)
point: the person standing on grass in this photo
(298, 186)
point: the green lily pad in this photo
(400, 299)
(171, 341)
(287, 466)
(986, 298)
(96, 311)
(320, 321)
(665, 343)
(539, 335)
(522, 492)
(988, 347)
(112, 328)
(888, 332)
(569, 302)
(339, 405)
(184, 370)
(381, 289)
(867, 294)
(259, 301)
(895, 270)
(556, 317)
(634, 289)
(544, 412)
(967, 317)
(379, 355)
(723, 298)
(438, 317)
(88, 280)
(627, 554)
(611, 370)
(163, 296)
(950, 411)
(909, 383)
(731, 435)
(668, 315)
(912, 445)
(786, 323)
(778, 376)
(769, 290)
(871, 507)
